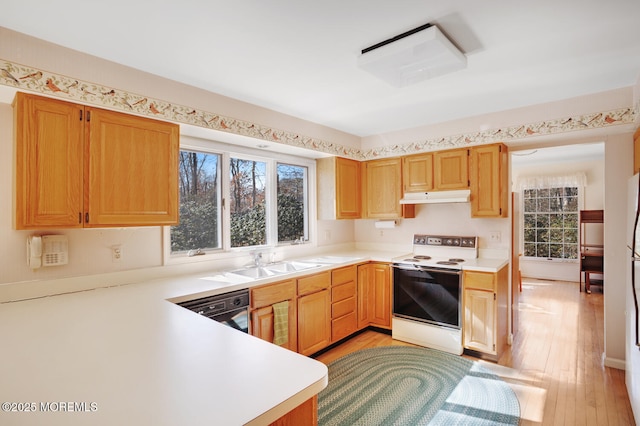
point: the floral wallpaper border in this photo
(40, 81)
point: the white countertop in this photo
(126, 355)
(142, 361)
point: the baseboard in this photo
(619, 364)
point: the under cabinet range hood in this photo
(433, 197)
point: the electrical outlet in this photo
(116, 253)
(495, 236)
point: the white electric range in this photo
(427, 291)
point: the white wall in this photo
(435, 219)
(593, 199)
(618, 170)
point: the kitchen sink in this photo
(259, 272)
(255, 272)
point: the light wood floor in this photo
(555, 364)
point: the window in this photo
(292, 202)
(551, 222)
(247, 186)
(199, 190)
(238, 200)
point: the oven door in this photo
(430, 295)
(238, 319)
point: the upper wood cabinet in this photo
(451, 169)
(339, 191)
(382, 190)
(417, 172)
(78, 166)
(489, 178)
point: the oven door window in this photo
(429, 296)
(238, 319)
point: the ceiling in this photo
(300, 57)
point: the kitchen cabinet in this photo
(489, 179)
(262, 316)
(451, 169)
(417, 172)
(382, 190)
(314, 313)
(339, 190)
(79, 166)
(484, 327)
(344, 287)
(374, 295)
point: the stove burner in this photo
(412, 259)
(456, 260)
(421, 257)
(446, 262)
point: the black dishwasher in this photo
(231, 308)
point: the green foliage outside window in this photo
(551, 223)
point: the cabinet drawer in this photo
(344, 275)
(343, 307)
(480, 280)
(272, 293)
(343, 326)
(343, 291)
(314, 283)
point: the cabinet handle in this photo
(80, 115)
(86, 217)
(79, 217)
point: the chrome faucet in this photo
(257, 258)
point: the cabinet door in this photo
(489, 182)
(383, 188)
(417, 173)
(348, 190)
(479, 321)
(49, 152)
(451, 169)
(131, 170)
(262, 325)
(365, 296)
(381, 294)
(314, 322)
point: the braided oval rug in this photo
(403, 385)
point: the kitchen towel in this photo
(281, 323)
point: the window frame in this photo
(272, 159)
(580, 206)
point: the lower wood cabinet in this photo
(344, 320)
(262, 316)
(304, 414)
(314, 313)
(374, 295)
(485, 312)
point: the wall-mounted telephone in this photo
(47, 250)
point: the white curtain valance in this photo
(540, 182)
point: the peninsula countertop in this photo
(128, 355)
(118, 356)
